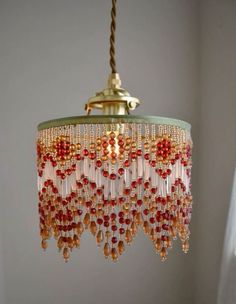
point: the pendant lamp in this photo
(114, 174)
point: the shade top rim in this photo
(105, 119)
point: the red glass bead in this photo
(121, 171)
(127, 221)
(127, 163)
(121, 214)
(164, 175)
(133, 155)
(93, 210)
(85, 181)
(98, 163)
(85, 152)
(112, 141)
(113, 227)
(106, 217)
(78, 156)
(99, 191)
(112, 176)
(134, 184)
(113, 216)
(54, 190)
(153, 163)
(121, 220)
(99, 221)
(127, 191)
(93, 185)
(114, 239)
(152, 220)
(139, 152)
(154, 190)
(139, 202)
(80, 212)
(165, 227)
(92, 155)
(106, 224)
(88, 204)
(121, 230)
(105, 173)
(146, 156)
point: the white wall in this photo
(2, 281)
(217, 141)
(54, 55)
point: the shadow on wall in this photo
(227, 291)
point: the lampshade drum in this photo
(114, 175)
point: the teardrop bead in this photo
(56, 233)
(133, 228)
(70, 242)
(76, 241)
(146, 227)
(66, 254)
(121, 247)
(60, 243)
(93, 228)
(172, 232)
(185, 246)
(128, 236)
(152, 234)
(106, 250)
(169, 242)
(163, 254)
(114, 254)
(158, 245)
(80, 228)
(44, 244)
(86, 220)
(139, 218)
(100, 237)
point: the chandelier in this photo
(114, 174)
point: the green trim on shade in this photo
(105, 119)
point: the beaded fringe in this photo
(113, 179)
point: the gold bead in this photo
(99, 141)
(128, 140)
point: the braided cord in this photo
(112, 38)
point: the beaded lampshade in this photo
(114, 175)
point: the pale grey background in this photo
(179, 57)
